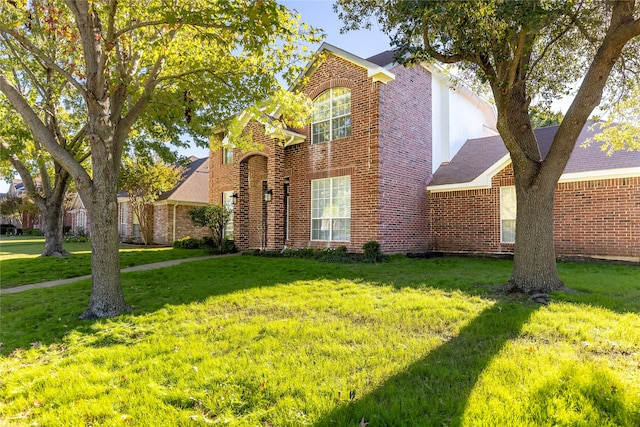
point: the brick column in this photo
(275, 208)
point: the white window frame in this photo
(508, 195)
(227, 202)
(332, 116)
(334, 211)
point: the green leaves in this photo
(144, 180)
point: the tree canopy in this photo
(141, 74)
(523, 50)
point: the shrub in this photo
(228, 246)
(372, 252)
(337, 255)
(187, 243)
(31, 232)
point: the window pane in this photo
(322, 107)
(331, 208)
(341, 103)
(331, 115)
(508, 206)
(227, 202)
(319, 229)
(320, 132)
(341, 229)
(341, 127)
(508, 231)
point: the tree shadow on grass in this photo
(434, 391)
(46, 316)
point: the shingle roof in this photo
(383, 58)
(478, 155)
(194, 186)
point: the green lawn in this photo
(20, 263)
(248, 341)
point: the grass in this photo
(20, 263)
(247, 341)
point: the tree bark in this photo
(534, 259)
(534, 269)
(107, 298)
(52, 218)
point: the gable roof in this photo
(374, 70)
(193, 187)
(480, 159)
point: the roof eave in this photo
(374, 71)
(484, 181)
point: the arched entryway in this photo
(259, 221)
(251, 216)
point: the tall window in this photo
(331, 117)
(227, 202)
(331, 209)
(508, 210)
(227, 156)
(123, 218)
(136, 225)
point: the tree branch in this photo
(149, 87)
(41, 132)
(446, 59)
(39, 54)
(24, 173)
(622, 28)
(517, 57)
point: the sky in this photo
(319, 14)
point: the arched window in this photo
(331, 117)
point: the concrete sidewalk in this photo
(143, 267)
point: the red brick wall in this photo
(163, 224)
(592, 218)
(356, 156)
(599, 217)
(245, 177)
(405, 160)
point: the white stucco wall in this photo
(458, 115)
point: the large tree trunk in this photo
(52, 218)
(107, 299)
(534, 268)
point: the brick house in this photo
(79, 217)
(597, 203)
(360, 170)
(170, 218)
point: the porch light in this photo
(267, 195)
(234, 198)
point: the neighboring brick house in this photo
(79, 223)
(359, 171)
(597, 202)
(170, 218)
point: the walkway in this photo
(143, 267)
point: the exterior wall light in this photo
(267, 195)
(234, 198)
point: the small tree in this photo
(10, 207)
(144, 181)
(213, 216)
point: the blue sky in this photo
(319, 14)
